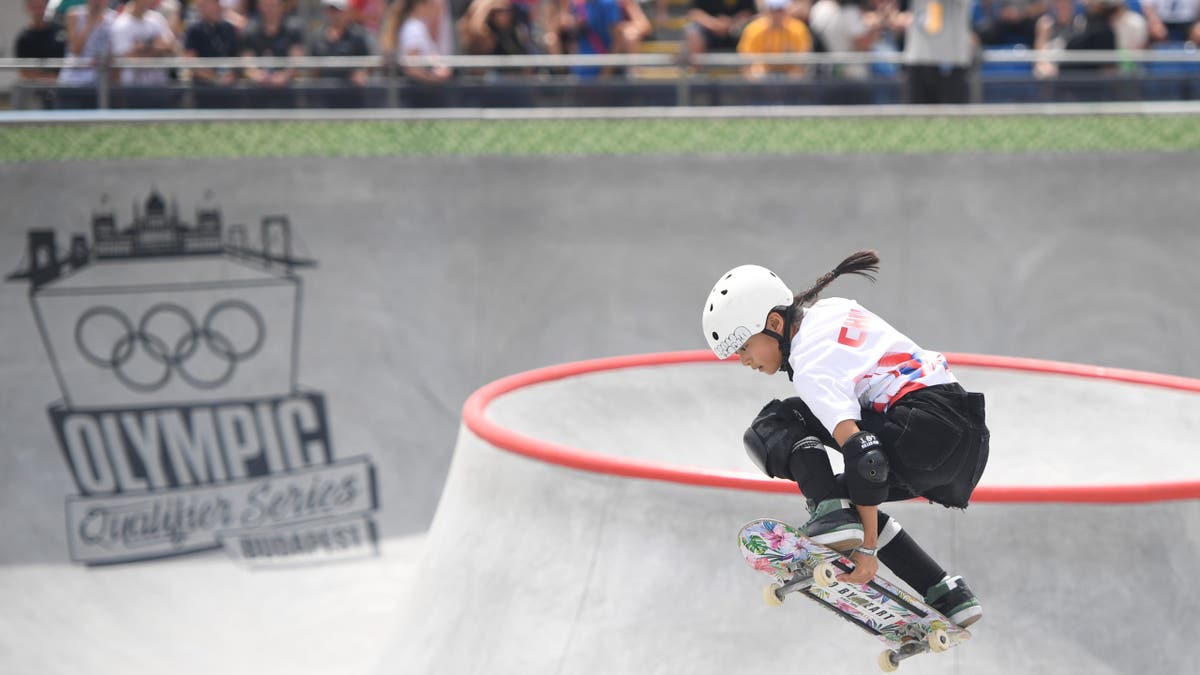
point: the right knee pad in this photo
(779, 430)
(774, 457)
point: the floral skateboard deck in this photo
(905, 624)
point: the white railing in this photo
(1186, 55)
(386, 70)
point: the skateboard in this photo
(905, 624)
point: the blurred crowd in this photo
(941, 35)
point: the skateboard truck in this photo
(915, 643)
(823, 574)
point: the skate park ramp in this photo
(589, 523)
(1051, 255)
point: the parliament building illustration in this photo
(156, 231)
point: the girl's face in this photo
(761, 353)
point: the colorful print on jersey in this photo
(897, 374)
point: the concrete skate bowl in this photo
(588, 526)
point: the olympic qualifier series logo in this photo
(182, 422)
(169, 336)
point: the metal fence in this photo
(997, 76)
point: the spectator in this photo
(272, 34)
(89, 39)
(1051, 33)
(1094, 33)
(1008, 22)
(141, 32)
(606, 27)
(492, 27)
(774, 33)
(1172, 20)
(211, 36)
(1101, 24)
(340, 36)
(716, 25)
(842, 26)
(1097, 32)
(41, 39)
(938, 45)
(892, 24)
(409, 31)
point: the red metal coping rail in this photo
(476, 419)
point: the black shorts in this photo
(937, 443)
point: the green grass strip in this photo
(34, 142)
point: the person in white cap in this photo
(774, 33)
(904, 425)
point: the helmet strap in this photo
(785, 343)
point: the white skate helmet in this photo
(738, 306)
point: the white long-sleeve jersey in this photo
(845, 359)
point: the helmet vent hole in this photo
(725, 292)
(728, 275)
(710, 308)
(715, 336)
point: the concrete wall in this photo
(437, 275)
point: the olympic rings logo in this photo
(165, 351)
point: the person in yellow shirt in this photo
(774, 32)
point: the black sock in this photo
(909, 561)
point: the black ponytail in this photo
(862, 263)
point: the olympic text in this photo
(121, 451)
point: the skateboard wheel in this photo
(770, 596)
(824, 575)
(887, 661)
(938, 641)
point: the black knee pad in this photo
(873, 466)
(867, 469)
(779, 430)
